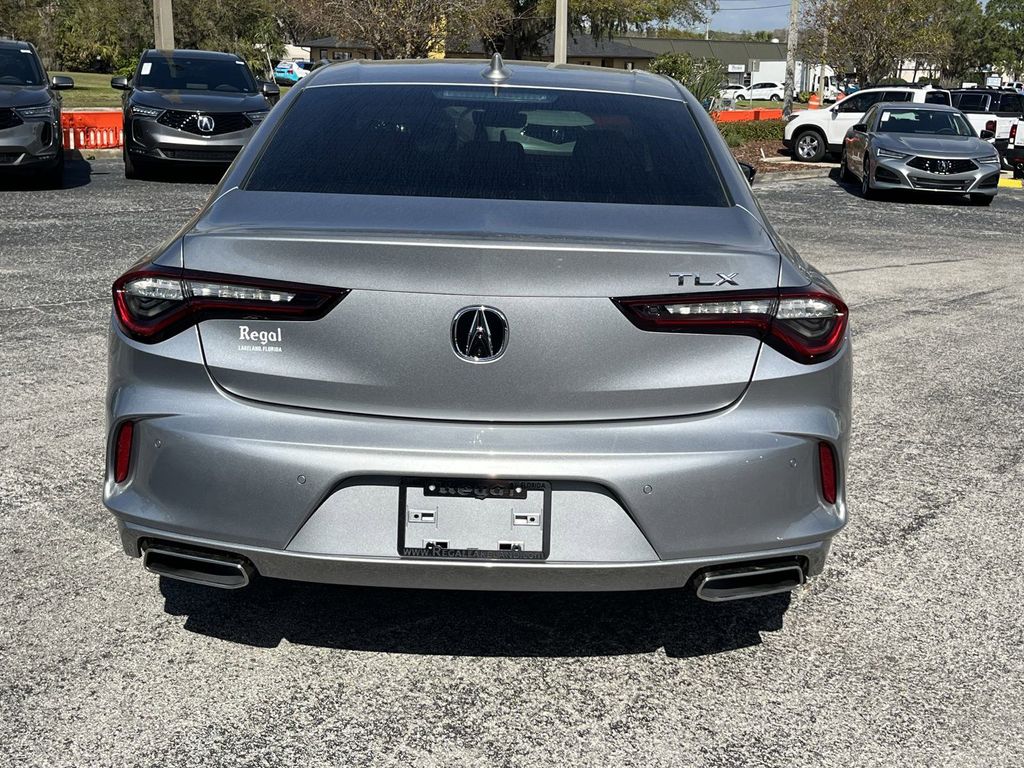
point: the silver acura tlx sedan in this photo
(504, 327)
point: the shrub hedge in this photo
(738, 134)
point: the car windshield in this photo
(186, 73)
(494, 143)
(18, 66)
(923, 121)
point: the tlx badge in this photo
(720, 278)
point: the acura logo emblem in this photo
(479, 334)
(205, 123)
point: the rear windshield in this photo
(486, 142)
(184, 73)
(18, 66)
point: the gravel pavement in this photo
(907, 651)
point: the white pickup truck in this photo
(813, 133)
(998, 110)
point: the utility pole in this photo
(821, 69)
(163, 25)
(794, 24)
(561, 30)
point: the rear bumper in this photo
(481, 576)
(310, 495)
(149, 139)
(33, 144)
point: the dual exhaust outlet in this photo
(228, 571)
(214, 569)
(718, 585)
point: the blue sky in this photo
(745, 18)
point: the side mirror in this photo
(119, 83)
(61, 82)
(270, 89)
(749, 171)
(987, 136)
(861, 127)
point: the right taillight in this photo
(154, 303)
(827, 471)
(123, 451)
(805, 324)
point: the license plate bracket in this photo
(474, 518)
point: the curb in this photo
(1011, 183)
(93, 154)
(810, 173)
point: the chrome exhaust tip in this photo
(214, 569)
(718, 585)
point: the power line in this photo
(750, 8)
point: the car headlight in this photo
(988, 159)
(888, 154)
(792, 116)
(257, 117)
(140, 111)
(34, 113)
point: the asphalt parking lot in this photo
(906, 651)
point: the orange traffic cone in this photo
(814, 102)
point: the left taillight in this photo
(806, 324)
(154, 303)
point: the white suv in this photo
(767, 90)
(813, 133)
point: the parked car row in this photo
(991, 115)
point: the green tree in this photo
(971, 42)
(874, 37)
(1008, 18)
(702, 77)
(530, 21)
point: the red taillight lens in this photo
(123, 451)
(827, 469)
(155, 303)
(806, 324)
(1013, 133)
(990, 126)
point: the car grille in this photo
(942, 167)
(209, 155)
(223, 122)
(9, 118)
(941, 184)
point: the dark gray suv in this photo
(30, 105)
(189, 107)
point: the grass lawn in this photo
(92, 90)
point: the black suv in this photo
(30, 134)
(190, 107)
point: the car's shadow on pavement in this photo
(186, 174)
(908, 197)
(77, 173)
(513, 624)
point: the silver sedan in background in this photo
(927, 147)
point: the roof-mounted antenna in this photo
(496, 73)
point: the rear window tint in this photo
(487, 142)
(937, 97)
(972, 102)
